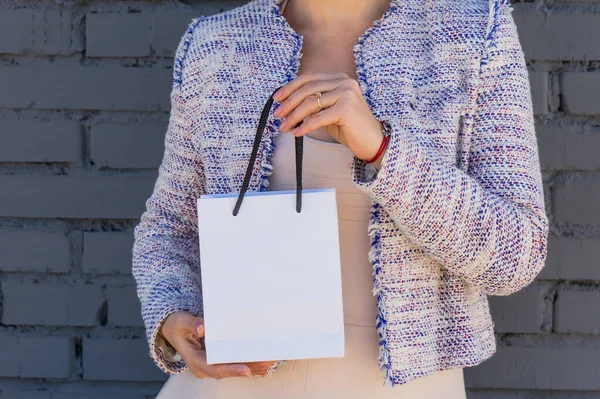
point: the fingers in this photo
(303, 79)
(194, 355)
(195, 358)
(196, 326)
(239, 369)
(329, 116)
(260, 368)
(309, 108)
(179, 325)
(303, 103)
(187, 331)
(307, 93)
(220, 371)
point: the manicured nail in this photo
(294, 131)
(277, 94)
(198, 325)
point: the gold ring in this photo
(319, 95)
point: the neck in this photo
(323, 15)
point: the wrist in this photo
(377, 156)
(164, 330)
(377, 163)
(168, 325)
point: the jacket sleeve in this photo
(486, 224)
(166, 263)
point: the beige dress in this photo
(357, 374)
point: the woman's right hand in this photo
(185, 332)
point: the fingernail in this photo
(294, 131)
(277, 94)
(198, 325)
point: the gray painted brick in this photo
(572, 259)
(124, 307)
(115, 197)
(53, 32)
(551, 146)
(119, 360)
(114, 88)
(34, 251)
(37, 141)
(209, 7)
(539, 92)
(77, 393)
(521, 312)
(167, 30)
(139, 145)
(538, 368)
(39, 31)
(107, 395)
(577, 202)
(577, 311)
(16, 393)
(51, 305)
(12, 30)
(491, 394)
(580, 92)
(102, 83)
(128, 35)
(568, 147)
(36, 357)
(581, 150)
(552, 269)
(559, 36)
(116, 260)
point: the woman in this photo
(424, 126)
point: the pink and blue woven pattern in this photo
(458, 206)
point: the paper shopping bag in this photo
(270, 272)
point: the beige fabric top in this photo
(327, 165)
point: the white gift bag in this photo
(271, 276)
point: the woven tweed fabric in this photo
(458, 207)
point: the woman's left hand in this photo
(345, 115)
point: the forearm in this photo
(471, 231)
(166, 270)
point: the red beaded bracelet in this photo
(385, 128)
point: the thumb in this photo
(187, 321)
(196, 325)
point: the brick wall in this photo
(83, 110)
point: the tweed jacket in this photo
(457, 205)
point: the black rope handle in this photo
(257, 139)
(299, 151)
